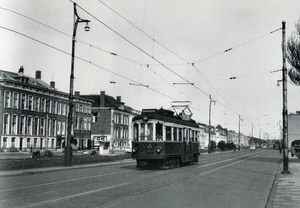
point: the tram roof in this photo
(166, 116)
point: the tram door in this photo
(187, 146)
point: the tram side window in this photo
(149, 132)
(175, 134)
(180, 134)
(159, 132)
(142, 134)
(168, 133)
(136, 132)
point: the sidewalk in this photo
(286, 190)
(60, 168)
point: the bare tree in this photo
(293, 55)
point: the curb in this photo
(59, 168)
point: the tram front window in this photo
(149, 132)
(159, 136)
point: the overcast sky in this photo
(158, 43)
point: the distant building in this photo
(111, 122)
(293, 127)
(34, 114)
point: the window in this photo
(35, 126)
(42, 127)
(55, 111)
(35, 143)
(15, 100)
(95, 117)
(30, 102)
(49, 127)
(168, 133)
(28, 142)
(63, 128)
(13, 142)
(22, 125)
(48, 107)
(58, 127)
(14, 125)
(180, 134)
(142, 134)
(5, 142)
(59, 108)
(85, 109)
(29, 125)
(53, 133)
(81, 109)
(89, 109)
(23, 101)
(135, 132)
(149, 132)
(175, 134)
(37, 104)
(63, 109)
(77, 107)
(6, 124)
(7, 99)
(159, 132)
(43, 105)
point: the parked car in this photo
(252, 147)
(264, 147)
(128, 149)
(295, 148)
(90, 152)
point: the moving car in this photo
(252, 147)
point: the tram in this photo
(165, 137)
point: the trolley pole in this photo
(284, 111)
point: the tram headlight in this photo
(159, 149)
(134, 150)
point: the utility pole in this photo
(240, 132)
(209, 126)
(68, 148)
(284, 111)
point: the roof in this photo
(17, 78)
(164, 115)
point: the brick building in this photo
(34, 114)
(111, 120)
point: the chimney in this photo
(118, 99)
(102, 98)
(38, 74)
(21, 71)
(77, 93)
(52, 84)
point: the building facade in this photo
(34, 114)
(111, 121)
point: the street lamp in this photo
(68, 148)
(210, 101)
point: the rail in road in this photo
(238, 179)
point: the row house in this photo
(111, 121)
(34, 114)
(218, 134)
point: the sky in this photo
(138, 49)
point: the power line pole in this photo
(284, 111)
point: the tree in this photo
(212, 145)
(293, 55)
(221, 145)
